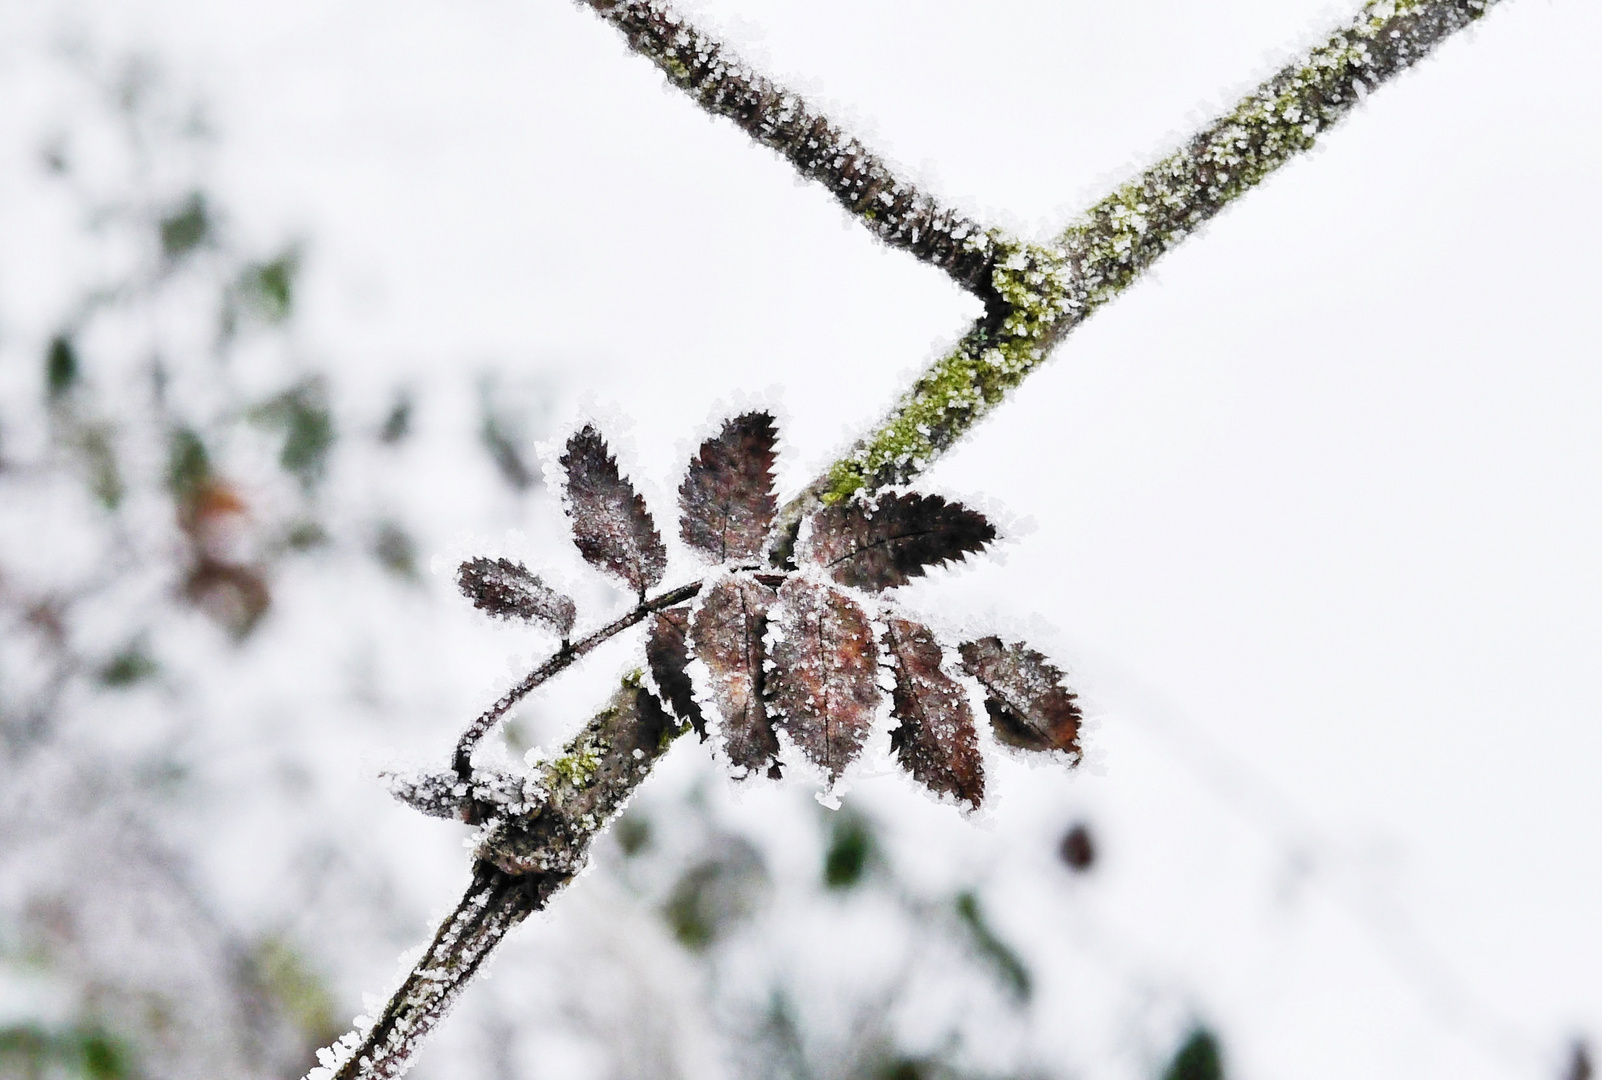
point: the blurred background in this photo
(294, 296)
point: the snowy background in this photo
(1311, 515)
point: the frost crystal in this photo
(881, 546)
(507, 589)
(1028, 705)
(936, 741)
(727, 635)
(727, 498)
(613, 530)
(825, 680)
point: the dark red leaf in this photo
(726, 499)
(669, 656)
(1028, 705)
(876, 547)
(613, 530)
(507, 589)
(824, 684)
(726, 634)
(936, 741)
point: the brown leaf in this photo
(507, 589)
(876, 547)
(824, 684)
(1028, 705)
(235, 596)
(613, 530)
(726, 634)
(669, 656)
(936, 741)
(726, 499)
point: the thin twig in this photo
(462, 760)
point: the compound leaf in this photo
(613, 530)
(669, 656)
(824, 684)
(1029, 706)
(880, 546)
(726, 499)
(508, 590)
(726, 633)
(936, 741)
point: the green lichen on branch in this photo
(1126, 232)
(577, 768)
(1033, 290)
(1038, 293)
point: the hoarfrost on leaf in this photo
(727, 634)
(825, 684)
(935, 741)
(883, 545)
(1029, 706)
(726, 500)
(507, 589)
(611, 526)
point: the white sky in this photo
(1316, 515)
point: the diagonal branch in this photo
(721, 83)
(1047, 291)
(519, 865)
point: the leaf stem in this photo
(561, 660)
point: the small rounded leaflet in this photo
(611, 526)
(824, 686)
(726, 501)
(508, 590)
(935, 741)
(1029, 706)
(726, 633)
(883, 544)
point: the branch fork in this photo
(536, 831)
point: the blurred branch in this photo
(1034, 295)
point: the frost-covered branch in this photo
(721, 83)
(520, 864)
(537, 834)
(1047, 290)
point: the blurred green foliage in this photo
(130, 666)
(188, 463)
(100, 460)
(303, 415)
(186, 228)
(1004, 960)
(61, 367)
(80, 1052)
(1198, 1059)
(396, 551)
(398, 424)
(633, 831)
(851, 848)
(298, 989)
(269, 288)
